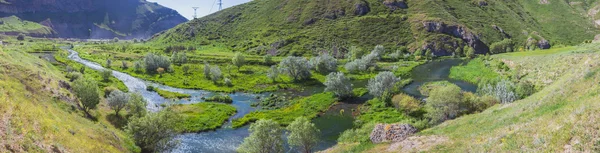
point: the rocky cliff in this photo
(95, 19)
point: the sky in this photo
(184, 7)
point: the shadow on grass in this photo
(117, 120)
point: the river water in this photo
(226, 139)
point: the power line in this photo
(195, 14)
(220, 5)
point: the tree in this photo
(108, 63)
(406, 103)
(444, 103)
(117, 100)
(238, 60)
(296, 67)
(355, 53)
(337, 83)
(303, 134)
(215, 74)
(124, 65)
(383, 82)
(228, 82)
(429, 54)
(469, 52)
(82, 70)
(179, 58)
(87, 92)
(265, 137)
(153, 62)
(160, 71)
(106, 75)
(273, 73)
(137, 66)
(206, 70)
(21, 37)
(155, 131)
(503, 91)
(324, 63)
(137, 105)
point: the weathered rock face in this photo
(458, 32)
(395, 4)
(361, 8)
(95, 18)
(442, 46)
(543, 44)
(391, 132)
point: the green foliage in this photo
(137, 105)
(155, 131)
(358, 134)
(265, 136)
(426, 88)
(469, 52)
(117, 100)
(406, 103)
(153, 62)
(524, 89)
(308, 107)
(238, 60)
(21, 37)
(273, 73)
(444, 104)
(202, 116)
(383, 82)
(268, 59)
(215, 74)
(355, 53)
(339, 84)
(171, 95)
(474, 72)
(296, 67)
(503, 46)
(108, 63)
(220, 98)
(324, 63)
(303, 134)
(87, 92)
(106, 74)
(179, 58)
(378, 111)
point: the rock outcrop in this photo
(459, 32)
(361, 8)
(391, 132)
(395, 4)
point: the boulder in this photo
(361, 8)
(543, 44)
(391, 132)
(395, 4)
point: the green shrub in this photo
(406, 103)
(220, 98)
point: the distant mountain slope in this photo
(94, 18)
(310, 26)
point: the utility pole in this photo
(195, 15)
(220, 5)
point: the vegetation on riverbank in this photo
(475, 71)
(202, 116)
(171, 95)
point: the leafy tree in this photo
(406, 103)
(503, 91)
(469, 52)
(124, 65)
(228, 82)
(206, 70)
(379, 50)
(265, 137)
(337, 83)
(155, 131)
(117, 100)
(179, 58)
(82, 70)
(429, 54)
(137, 66)
(153, 62)
(215, 74)
(238, 60)
(106, 75)
(108, 63)
(87, 91)
(273, 73)
(303, 134)
(324, 63)
(383, 82)
(296, 67)
(137, 105)
(185, 69)
(355, 53)
(444, 103)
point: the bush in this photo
(273, 73)
(268, 59)
(469, 52)
(296, 67)
(503, 91)
(153, 62)
(150, 88)
(355, 53)
(503, 46)
(108, 63)
(356, 66)
(124, 65)
(406, 103)
(228, 82)
(366, 62)
(137, 66)
(220, 98)
(337, 83)
(185, 69)
(357, 135)
(265, 136)
(106, 75)
(383, 82)
(179, 58)
(303, 134)
(137, 105)
(87, 92)
(117, 100)
(478, 104)
(524, 89)
(154, 132)
(324, 63)
(206, 70)
(444, 103)
(108, 90)
(238, 60)
(74, 76)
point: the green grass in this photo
(13, 24)
(171, 95)
(429, 86)
(202, 116)
(474, 72)
(36, 119)
(61, 57)
(376, 111)
(308, 107)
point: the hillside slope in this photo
(562, 117)
(308, 26)
(94, 19)
(38, 113)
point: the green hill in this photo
(14, 25)
(309, 26)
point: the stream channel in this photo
(226, 139)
